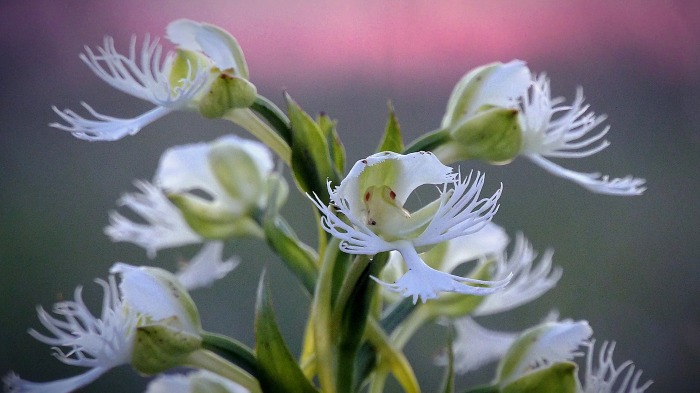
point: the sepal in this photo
(491, 85)
(557, 378)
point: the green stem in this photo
(356, 269)
(378, 381)
(233, 350)
(298, 257)
(208, 360)
(428, 141)
(391, 357)
(248, 120)
(321, 315)
(275, 116)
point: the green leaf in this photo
(337, 150)
(321, 315)
(278, 371)
(392, 140)
(311, 159)
(231, 350)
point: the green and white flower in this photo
(207, 59)
(202, 191)
(372, 196)
(523, 355)
(501, 110)
(148, 302)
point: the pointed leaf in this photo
(311, 161)
(392, 139)
(278, 371)
(337, 150)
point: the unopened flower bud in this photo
(227, 91)
(492, 135)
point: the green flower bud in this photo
(158, 348)
(492, 135)
(227, 92)
(168, 325)
(557, 378)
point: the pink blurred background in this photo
(631, 265)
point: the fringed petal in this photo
(164, 224)
(595, 182)
(422, 281)
(14, 384)
(529, 281)
(206, 267)
(103, 127)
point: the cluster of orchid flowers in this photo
(375, 259)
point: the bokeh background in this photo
(631, 265)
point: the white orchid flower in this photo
(145, 297)
(479, 118)
(201, 191)
(372, 196)
(177, 81)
